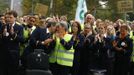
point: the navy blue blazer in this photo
(13, 41)
(0, 30)
(38, 35)
(127, 50)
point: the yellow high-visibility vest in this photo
(60, 55)
(132, 37)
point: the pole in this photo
(51, 7)
(94, 8)
(95, 11)
(125, 16)
(11, 5)
(32, 7)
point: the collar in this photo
(90, 33)
(13, 24)
(33, 27)
(105, 35)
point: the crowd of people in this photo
(73, 48)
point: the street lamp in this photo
(103, 4)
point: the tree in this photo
(26, 6)
(68, 7)
(4, 5)
(65, 7)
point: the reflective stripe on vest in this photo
(61, 55)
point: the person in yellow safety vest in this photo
(132, 57)
(27, 31)
(61, 59)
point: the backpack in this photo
(38, 60)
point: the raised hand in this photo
(47, 41)
(12, 30)
(114, 43)
(5, 33)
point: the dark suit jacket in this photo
(12, 42)
(39, 35)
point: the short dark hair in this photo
(12, 12)
(51, 24)
(124, 26)
(1, 15)
(30, 17)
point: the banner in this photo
(125, 6)
(80, 11)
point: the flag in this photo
(80, 11)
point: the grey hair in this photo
(64, 24)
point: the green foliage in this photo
(4, 4)
(65, 7)
(26, 6)
(68, 7)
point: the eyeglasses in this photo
(2, 19)
(100, 28)
(89, 18)
(87, 28)
(32, 21)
